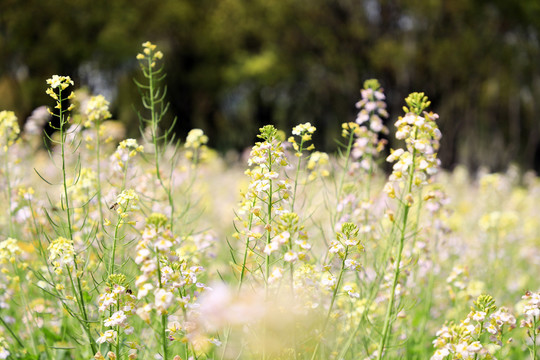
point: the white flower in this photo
(290, 256)
(108, 336)
(271, 247)
(440, 354)
(164, 299)
(328, 280)
(118, 318)
(276, 274)
(352, 264)
(163, 245)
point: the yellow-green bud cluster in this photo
(149, 54)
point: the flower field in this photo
(158, 248)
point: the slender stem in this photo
(8, 328)
(342, 178)
(163, 316)
(244, 261)
(81, 302)
(297, 174)
(98, 170)
(115, 240)
(331, 307)
(8, 188)
(397, 263)
(118, 340)
(268, 225)
(155, 120)
(534, 329)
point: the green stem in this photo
(389, 310)
(81, 302)
(98, 170)
(534, 329)
(331, 307)
(163, 316)
(155, 121)
(342, 178)
(8, 185)
(268, 226)
(297, 174)
(244, 261)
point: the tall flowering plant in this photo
(413, 165)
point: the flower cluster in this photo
(126, 150)
(149, 54)
(57, 84)
(196, 146)
(267, 157)
(305, 131)
(262, 203)
(9, 129)
(465, 340)
(120, 304)
(418, 161)
(97, 110)
(531, 310)
(290, 241)
(372, 110)
(347, 247)
(166, 284)
(127, 201)
(156, 242)
(9, 250)
(61, 253)
(372, 106)
(316, 165)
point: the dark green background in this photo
(234, 65)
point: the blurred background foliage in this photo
(234, 65)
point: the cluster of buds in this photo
(149, 55)
(414, 164)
